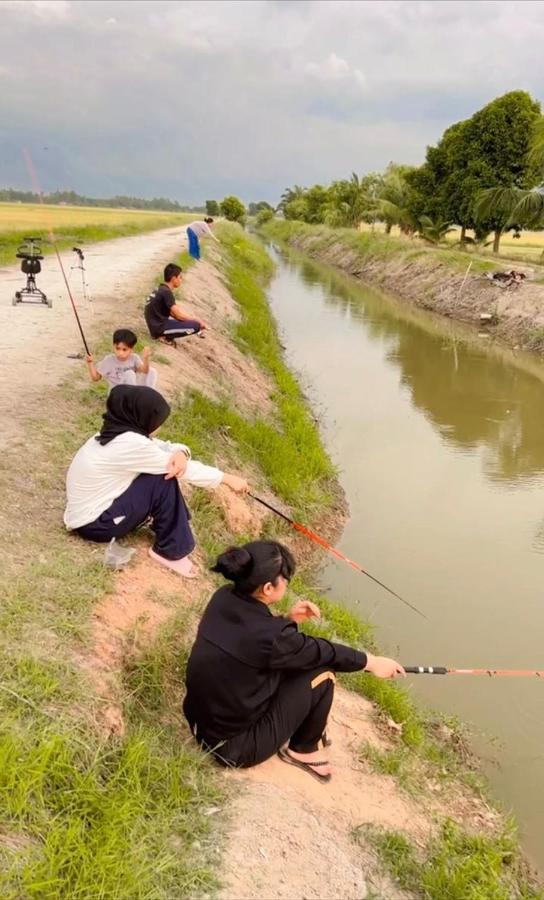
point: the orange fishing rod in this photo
(317, 539)
(501, 673)
(37, 189)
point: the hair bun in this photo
(233, 563)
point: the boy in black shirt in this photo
(165, 319)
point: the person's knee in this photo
(129, 378)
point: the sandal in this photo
(286, 757)
(170, 342)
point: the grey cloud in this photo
(195, 99)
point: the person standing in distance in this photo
(166, 320)
(195, 231)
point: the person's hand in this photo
(235, 483)
(302, 610)
(176, 465)
(383, 667)
(203, 325)
(146, 353)
(89, 358)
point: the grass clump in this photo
(455, 865)
(119, 821)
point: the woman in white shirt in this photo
(123, 476)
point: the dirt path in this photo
(35, 341)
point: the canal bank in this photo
(451, 282)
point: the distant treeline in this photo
(9, 195)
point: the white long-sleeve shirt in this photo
(99, 473)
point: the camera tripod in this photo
(81, 266)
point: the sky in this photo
(196, 99)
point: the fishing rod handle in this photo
(426, 670)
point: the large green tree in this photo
(520, 207)
(500, 135)
(488, 150)
(233, 209)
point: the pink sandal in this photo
(183, 567)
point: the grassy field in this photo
(528, 248)
(75, 225)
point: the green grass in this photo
(287, 448)
(117, 821)
(369, 246)
(455, 865)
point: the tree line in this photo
(71, 198)
(485, 174)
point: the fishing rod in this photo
(317, 539)
(36, 184)
(443, 670)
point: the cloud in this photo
(335, 68)
(199, 98)
(45, 9)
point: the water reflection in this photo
(474, 399)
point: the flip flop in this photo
(286, 757)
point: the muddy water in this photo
(439, 439)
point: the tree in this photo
(500, 135)
(395, 199)
(289, 196)
(233, 209)
(433, 231)
(264, 215)
(520, 208)
(212, 208)
(254, 208)
(488, 150)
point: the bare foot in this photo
(310, 758)
(183, 567)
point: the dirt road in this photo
(35, 340)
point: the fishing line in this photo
(317, 539)
(37, 189)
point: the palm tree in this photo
(393, 202)
(290, 194)
(434, 232)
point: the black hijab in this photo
(131, 408)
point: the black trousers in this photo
(148, 495)
(298, 715)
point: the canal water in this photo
(439, 441)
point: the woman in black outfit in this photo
(255, 682)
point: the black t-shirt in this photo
(157, 309)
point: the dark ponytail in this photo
(255, 564)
